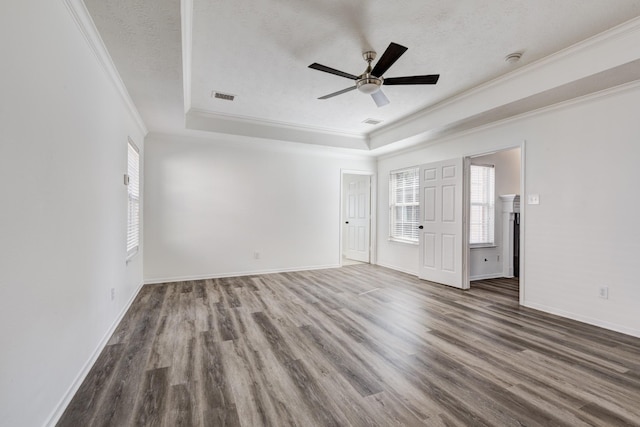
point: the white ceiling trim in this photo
(198, 119)
(602, 41)
(260, 144)
(87, 27)
(610, 49)
(407, 147)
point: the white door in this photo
(357, 201)
(441, 223)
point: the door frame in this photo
(466, 255)
(372, 212)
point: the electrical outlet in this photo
(256, 255)
(113, 294)
(603, 292)
(498, 258)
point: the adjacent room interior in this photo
(494, 236)
(319, 213)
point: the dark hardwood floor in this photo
(360, 345)
(508, 288)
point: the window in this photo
(404, 205)
(482, 219)
(133, 190)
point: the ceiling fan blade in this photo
(388, 58)
(330, 70)
(380, 98)
(340, 92)
(430, 79)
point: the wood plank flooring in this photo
(356, 346)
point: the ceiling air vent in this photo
(372, 122)
(224, 96)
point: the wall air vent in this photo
(221, 95)
(372, 121)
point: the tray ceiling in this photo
(259, 51)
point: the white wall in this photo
(581, 158)
(487, 262)
(210, 204)
(63, 147)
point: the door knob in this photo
(346, 222)
(420, 227)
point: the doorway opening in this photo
(494, 218)
(356, 219)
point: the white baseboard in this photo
(487, 276)
(402, 270)
(584, 319)
(75, 385)
(170, 279)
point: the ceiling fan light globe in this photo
(369, 88)
(369, 85)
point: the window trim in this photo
(392, 205)
(133, 251)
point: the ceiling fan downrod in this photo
(368, 83)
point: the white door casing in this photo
(357, 219)
(441, 219)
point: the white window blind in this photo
(133, 189)
(404, 204)
(482, 205)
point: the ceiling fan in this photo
(370, 81)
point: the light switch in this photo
(533, 199)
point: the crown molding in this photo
(258, 143)
(605, 93)
(198, 119)
(275, 123)
(623, 30)
(87, 27)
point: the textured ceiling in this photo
(144, 40)
(259, 50)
